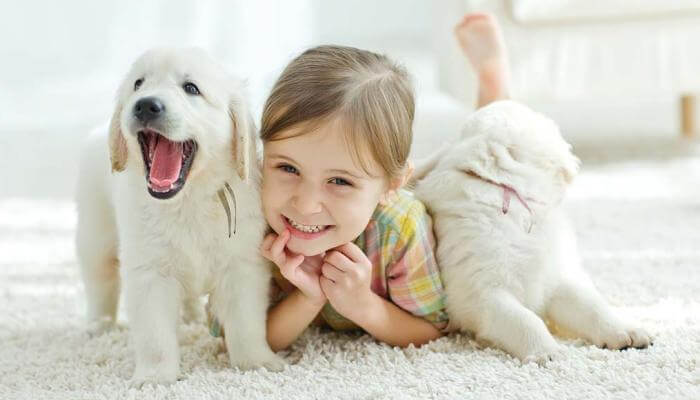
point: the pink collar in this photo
(507, 192)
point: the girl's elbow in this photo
(276, 345)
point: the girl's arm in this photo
(388, 323)
(289, 318)
(347, 274)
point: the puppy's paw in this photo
(98, 327)
(543, 356)
(274, 363)
(621, 338)
(161, 374)
(641, 339)
(266, 359)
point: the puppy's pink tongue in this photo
(167, 161)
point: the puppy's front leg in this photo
(240, 304)
(152, 302)
(580, 309)
(101, 279)
(504, 321)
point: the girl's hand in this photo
(346, 279)
(302, 272)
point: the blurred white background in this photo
(602, 69)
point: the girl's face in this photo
(312, 187)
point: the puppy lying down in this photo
(507, 254)
(176, 213)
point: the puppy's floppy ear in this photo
(117, 143)
(494, 161)
(243, 138)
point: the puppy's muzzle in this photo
(148, 109)
(167, 161)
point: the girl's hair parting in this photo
(371, 95)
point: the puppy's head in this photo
(179, 117)
(508, 143)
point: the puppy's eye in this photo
(190, 88)
(138, 83)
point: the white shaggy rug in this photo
(639, 229)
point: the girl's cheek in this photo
(278, 175)
(341, 193)
(273, 178)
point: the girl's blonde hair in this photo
(370, 94)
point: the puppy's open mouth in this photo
(167, 162)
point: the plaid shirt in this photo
(400, 244)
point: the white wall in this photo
(60, 56)
(62, 61)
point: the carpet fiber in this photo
(638, 224)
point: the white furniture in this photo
(601, 68)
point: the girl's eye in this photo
(191, 88)
(340, 182)
(287, 168)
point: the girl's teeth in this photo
(306, 228)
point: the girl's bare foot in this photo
(481, 39)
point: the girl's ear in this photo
(397, 183)
(410, 168)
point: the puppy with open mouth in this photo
(177, 215)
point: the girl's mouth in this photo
(305, 231)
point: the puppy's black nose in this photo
(148, 109)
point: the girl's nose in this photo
(307, 200)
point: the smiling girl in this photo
(350, 244)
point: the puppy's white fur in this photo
(170, 252)
(507, 268)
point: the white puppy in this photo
(506, 251)
(176, 213)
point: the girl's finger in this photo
(326, 285)
(331, 272)
(279, 243)
(267, 242)
(288, 268)
(339, 260)
(351, 251)
(296, 261)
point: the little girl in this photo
(353, 249)
(350, 245)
